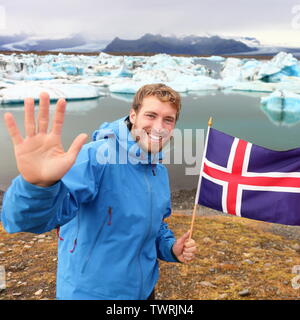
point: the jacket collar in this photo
(119, 130)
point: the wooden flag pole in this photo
(210, 121)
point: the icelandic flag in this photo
(246, 180)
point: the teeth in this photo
(156, 138)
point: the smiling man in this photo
(153, 117)
(109, 215)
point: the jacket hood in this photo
(118, 134)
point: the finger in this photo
(59, 115)
(29, 121)
(76, 146)
(188, 256)
(12, 128)
(43, 116)
(190, 243)
(190, 250)
(185, 236)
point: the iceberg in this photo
(17, 93)
(122, 72)
(235, 69)
(255, 86)
(214, 58)
(283, 64)
(231, 69)
(283, 107)
(39, 76)
(151, 76)
(64, 74)
(125, 86)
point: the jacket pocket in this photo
(108, 221)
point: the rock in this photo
(267, 265)
(39, 292)
(296, 247)
(248, 261)
(222, 296)
(206, 240)
(207, 284)
(16, 294)
(41, 236)
(247, 254)
(244, 293)
(41, 240)
(27, 246)
(224, 242)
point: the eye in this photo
(151, 116)
(169, 120)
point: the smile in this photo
(155, 138)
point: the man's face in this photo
(153, 124)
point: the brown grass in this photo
(233, 254)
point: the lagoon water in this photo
(238, 114)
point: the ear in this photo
(132, 116)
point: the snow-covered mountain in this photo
(72, 43)
(149, 43)
(206, 45)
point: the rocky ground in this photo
(236, 259)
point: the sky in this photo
(270, 21)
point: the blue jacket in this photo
(111, 218)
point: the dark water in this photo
(237, 114)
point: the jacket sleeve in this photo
(165, 241)
(30, 208)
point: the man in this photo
(108, 199)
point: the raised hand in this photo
(40, 156)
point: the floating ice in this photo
(282, 107)
(214, 58)
(283, 64)
(85, 74)
(256, 86)
(17, 93)
(125, 86)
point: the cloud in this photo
(132, 18)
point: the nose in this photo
(158, 126)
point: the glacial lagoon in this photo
(239, 114)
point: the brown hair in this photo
(159, 90)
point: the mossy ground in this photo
(234, 255)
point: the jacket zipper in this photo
(77, 232)
(148, 231)
(153, 169)
(108, 221)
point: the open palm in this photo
(40, 156)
